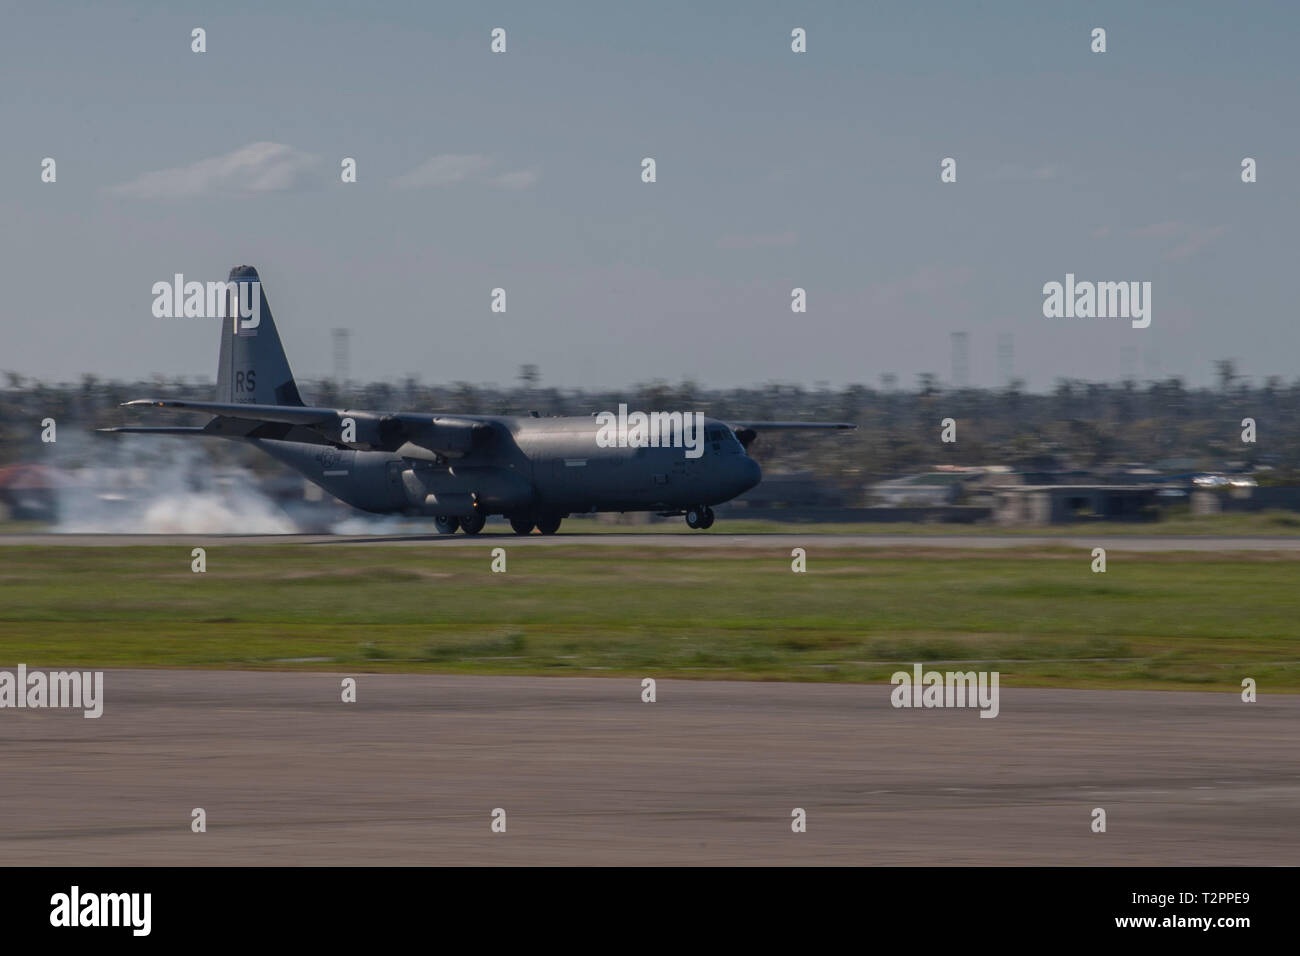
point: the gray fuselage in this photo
(525, 466)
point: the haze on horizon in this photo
(775, 170)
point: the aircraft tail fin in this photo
(252, 368)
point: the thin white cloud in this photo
(925, 284)
(443, 170)
(1196, 240)
(1161, 230)
(1016, 172)
(759, 240)
(1189, 239)
(255, 168)
(520, 179)
(449, 168)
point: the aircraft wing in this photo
(767, 426)
(746, 432)
(408, 433)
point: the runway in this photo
(688, 539)
(589, 774)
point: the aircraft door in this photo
(570, 479)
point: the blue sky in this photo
(775, 170)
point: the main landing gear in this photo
(546, 524)
(470, 524)
(700, 517)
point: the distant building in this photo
(1064, 504)
(1242, 497)
(944, 485)
(795, 490)
(914, 490)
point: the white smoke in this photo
(158, 485)
(363, 524)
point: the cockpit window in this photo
(721, 438)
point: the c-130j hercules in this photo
(459, 469)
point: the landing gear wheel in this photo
(549, 524)
(472, 524)
(522, 525)
(694, 516)
(707, 520)
(446, 524)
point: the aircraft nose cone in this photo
(750, 474)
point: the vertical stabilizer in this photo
(252, 368)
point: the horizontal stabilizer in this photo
(289, 414)
(155, 430)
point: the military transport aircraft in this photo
(459, 469)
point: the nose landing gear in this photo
(700, 517)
